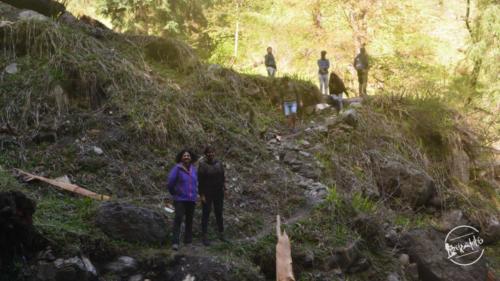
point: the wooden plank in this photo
(65, 186)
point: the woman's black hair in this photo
(178, 157)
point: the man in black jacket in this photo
(211, 186)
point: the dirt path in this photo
(288, 143)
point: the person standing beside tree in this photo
(361, 65)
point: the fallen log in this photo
(65, 186)
(284, 271)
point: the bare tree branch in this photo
(467, 17)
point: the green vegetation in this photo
(75, 61)
(362, 204)
(64, 218)
(7, 181)
(333, 196)
(433, 85)
(428, 49)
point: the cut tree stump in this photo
(284, 271)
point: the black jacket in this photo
(361, 62)
(269, 61)
(211, 178)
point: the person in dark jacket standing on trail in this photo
(182, 184)
(323, 66)
(212, 187)
(337, 88)
(270, 62)
(361, 65)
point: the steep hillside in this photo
(365, 195)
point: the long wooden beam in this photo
(65, 186)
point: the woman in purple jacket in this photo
(183, 185)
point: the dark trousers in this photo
(363, 81)
(183, 208)
(217, 201)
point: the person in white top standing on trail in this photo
(323, 65)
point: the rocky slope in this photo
(366, 195)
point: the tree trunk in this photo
(478, 62)
(237, 29)
(236, 34)
(358, 21)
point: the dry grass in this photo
(116, 75)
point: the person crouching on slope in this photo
(337, 88)
(212, 188)
(183, 186)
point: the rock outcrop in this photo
(426, 248)
(132, 223)
(396, 178)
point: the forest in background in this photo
(445, 50)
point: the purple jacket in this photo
(183, 185)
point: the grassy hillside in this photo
(130, 97)
(141, 98)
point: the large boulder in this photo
(132, 223)
(398, 178)
(426, 247)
